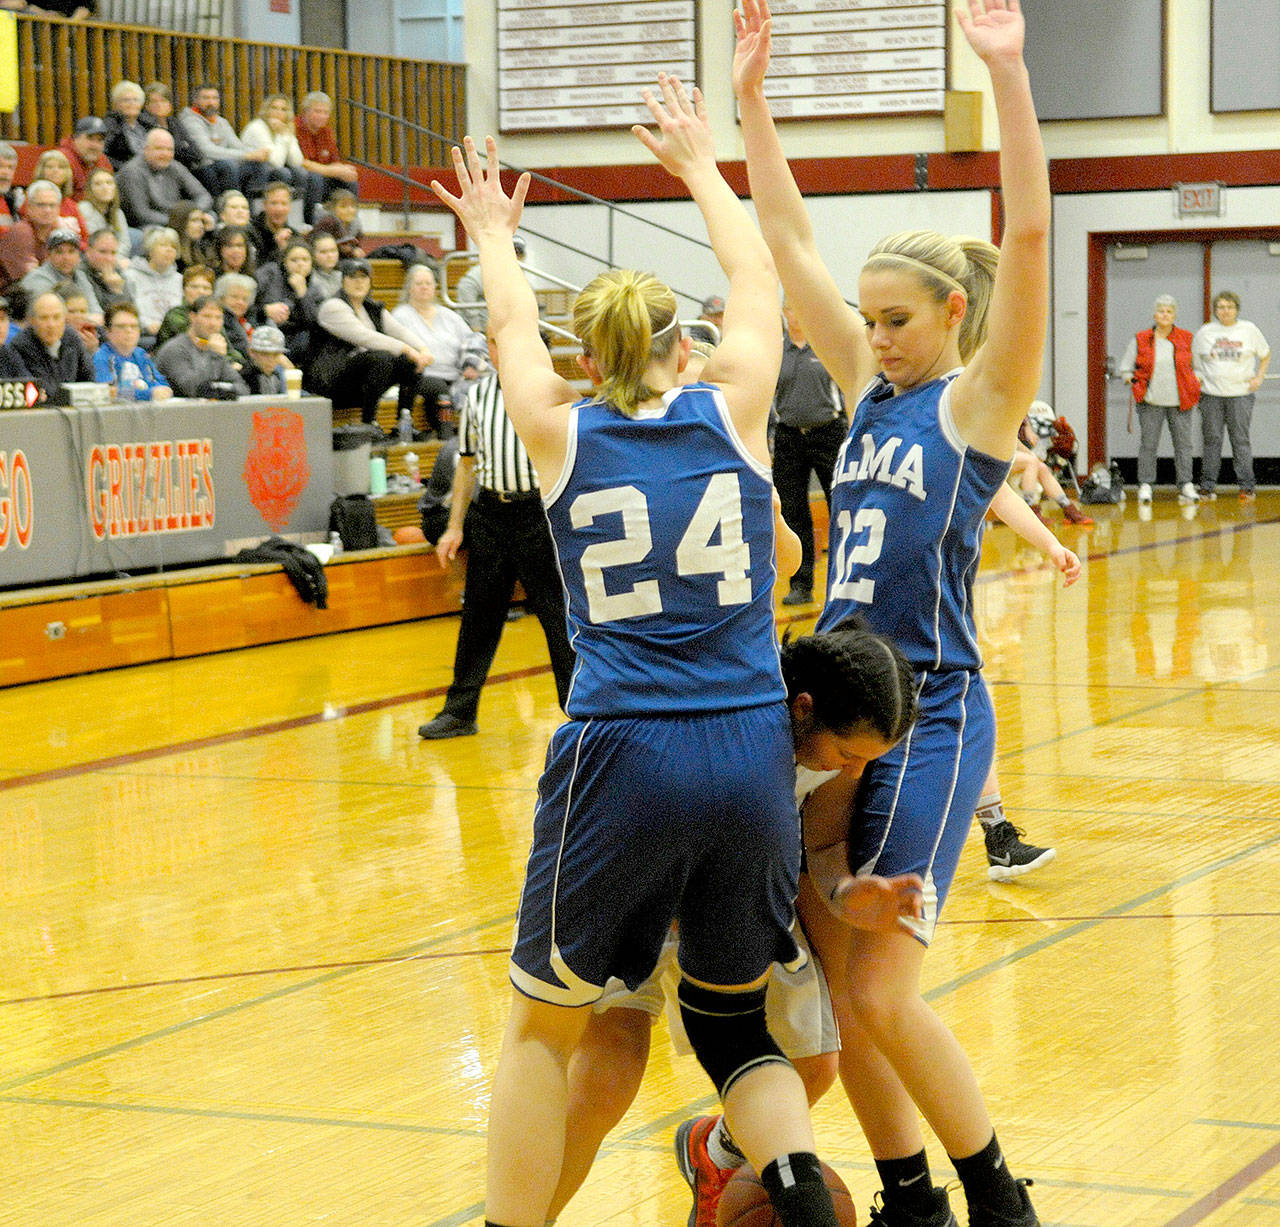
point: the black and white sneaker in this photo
(1008, 857)
(1024, 1216)
(883, 1215)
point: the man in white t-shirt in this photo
(1231, 359)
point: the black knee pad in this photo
(727, 1032)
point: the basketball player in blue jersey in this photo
(941, 358)
(668, 793)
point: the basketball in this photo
(744, 1203)
(408, 534)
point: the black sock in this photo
(799, 1194)
(907, 1184)
(987, 1181)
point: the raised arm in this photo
(835, 330)
(991, 397)
(745, 363)
(536, 398)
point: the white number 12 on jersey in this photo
(852, 553)
(719, 513)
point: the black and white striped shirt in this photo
(486, 433)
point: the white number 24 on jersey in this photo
(719, 513)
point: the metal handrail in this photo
(614, 210)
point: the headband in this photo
(673, 322)
(920, 264)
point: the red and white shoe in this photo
(703, 1176)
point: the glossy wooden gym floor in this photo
(254, 932)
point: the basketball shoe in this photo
(701, 1173)
(1024, 1216)
(1008, 857)
(883, 1215)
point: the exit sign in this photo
(1198, 200)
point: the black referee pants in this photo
(796, 454)
(508, 542)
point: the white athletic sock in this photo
(722, 1149)
(990, 811)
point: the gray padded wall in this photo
(1246, 55)
(1096, 59)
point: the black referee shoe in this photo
(445, 725)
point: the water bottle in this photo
(411, 467)
(335, 541)
(127, 381)
(406, 426)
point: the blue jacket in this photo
(107, 363)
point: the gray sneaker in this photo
(445, 725)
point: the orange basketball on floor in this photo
(744, 1203)
(408, 534)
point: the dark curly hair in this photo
(856, 678)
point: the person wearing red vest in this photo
(1157, 365)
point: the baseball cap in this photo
(90, 125)
(713, 305)
(267, 339)
(60, 236)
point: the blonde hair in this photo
(53, 157)
(625, 319)
(269, 99)
(944, 265)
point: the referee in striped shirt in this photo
(507, 540)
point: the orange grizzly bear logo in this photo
(276, 471)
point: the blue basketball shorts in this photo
(645, 820)
(915, 805)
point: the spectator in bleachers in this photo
(270, 230)
(455, 351)
(83, 151)
(154, 284)
(235, 294)
(224, 161)
(49, 352)
(10, 196)
(72, 10)
(358, 351)
(321, 160)
(233, 209)
(103, 267)
(264, 372)
(343, 222)
(22, 245)
(53, 167)
(158, 113)
(195, 360)
(78, 321)
(123, 363)
(100, 208)
(273, 129)
(153, 182)
(197, 283)
(126, 131)
(191, 224)
(62, 263)
(233, 251)
(8, 329)
(282, 293)
(326, 280)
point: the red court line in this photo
(1232, 1187)
(255, 971)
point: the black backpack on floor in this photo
(351, 517)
